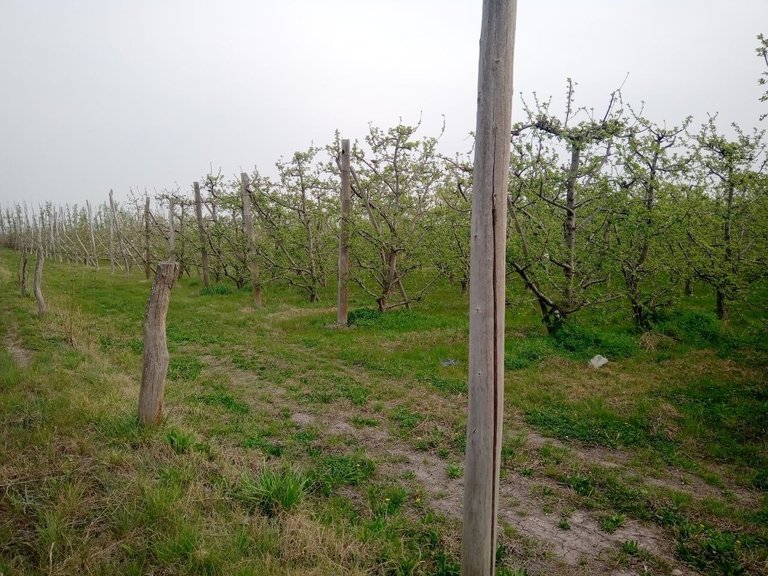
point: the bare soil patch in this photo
(521, 508)
(20, 355)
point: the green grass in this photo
(223, 399)
(184, 368)
(273, 456)
(181, 442)
(274, 492)
(334, 470)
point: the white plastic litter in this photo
(598, 361)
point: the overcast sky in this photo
(100, 94)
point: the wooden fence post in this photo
(171, 232)
(250, 238)
(156, 346)
(123, 253)
(23, 275)
(201, 231)
(487, 285)
(91, 233)
(342, 312)
(111, 244)
(147, 247)
(39, 258)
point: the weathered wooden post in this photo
(23, 274)
(111, 244)
(91, 234)
(342, 312)
(23, 231)
(39, 258)
(155, 345)
(147, 247)
(487, 286)
(171, 232)
(250, 238)
(201, 231)
(182, 252)
(123, 253)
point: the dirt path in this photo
(21, 356)
(533, 532)
(584, 546)
(540, 530)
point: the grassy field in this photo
(293, 447)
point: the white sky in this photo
(99, 94)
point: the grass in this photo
(289, 447)
(274, 492)
(453, 471)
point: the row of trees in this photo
(615, 206)
(601, 207)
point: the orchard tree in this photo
(558, 186)
(298, 215)
(450, 220)
(728, 246)
(393, 182)
(650, 213)
(226, 240)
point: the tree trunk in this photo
(23, 275)
(722, 305)
(404, 294)
(389, 280)
(155, 345)
(487, 288)
(640, 314)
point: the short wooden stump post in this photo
(156, 345)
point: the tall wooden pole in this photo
(250, 238)
(171, 232)
(111, 244)
(487, 286)
(124, 254)
(41, 308)
(342, 312)
(201, 231)
(95, 257)
(147, 247)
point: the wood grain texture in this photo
(203, 240)
(171, 231)
(156, 345)
(346, 194)
(41, 307)
(487, 287)
(147, 244)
